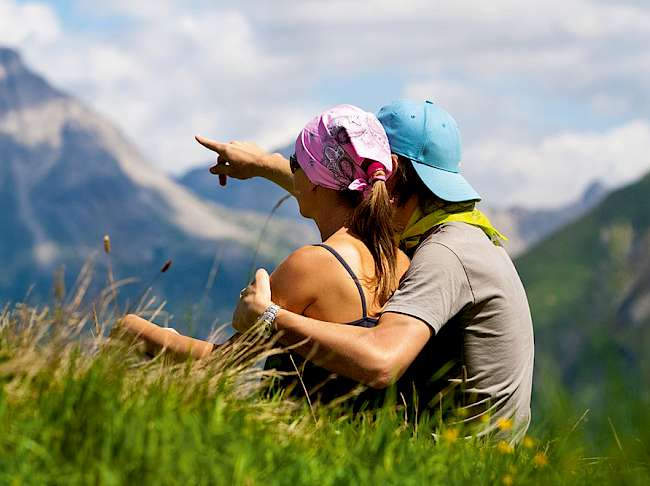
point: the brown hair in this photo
(408, 183)
(373, 222)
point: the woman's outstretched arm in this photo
(243, 160)
(164, 338)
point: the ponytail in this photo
(372, 221)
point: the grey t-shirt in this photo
(468, 291)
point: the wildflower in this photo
(485, 418)
(451, 435)
(461, 412)
(540, 459)
(505, 448)
(528, 442)
(107, 244)
(504, 424)
(507, 480)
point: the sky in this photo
(550, 96)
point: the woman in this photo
(341, 164)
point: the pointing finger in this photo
(211, 144)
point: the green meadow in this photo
(79, 407)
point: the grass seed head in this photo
(166, 266)
(107, 244)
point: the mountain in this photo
(68, 176)
(524, 227)
(589, 289)
(242, 194)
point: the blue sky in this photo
(549, 96)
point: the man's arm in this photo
(243, 160)
(375, 356)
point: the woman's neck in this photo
(332, 220)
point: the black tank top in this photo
(321, 384)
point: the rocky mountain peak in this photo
(21, 88)
(68, 176)
(595, 192)
(9, 59)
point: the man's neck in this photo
(404, 213)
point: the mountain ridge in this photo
(589, 289)
(68, 176)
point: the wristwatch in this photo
(266, 322)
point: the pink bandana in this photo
(333, 146)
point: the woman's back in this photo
(314, 281)
(333, 281)
(340, 168)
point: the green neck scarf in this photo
(421, 224)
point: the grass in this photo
(77, 407)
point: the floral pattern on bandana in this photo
(333, 147)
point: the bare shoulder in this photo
(303, 260)
(295, 281)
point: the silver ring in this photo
(242, 292)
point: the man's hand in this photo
(241, 160)
(253, 302)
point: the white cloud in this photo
(557, 170)
(248, 71)
(27, 23)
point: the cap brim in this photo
(448, 186)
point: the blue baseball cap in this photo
(428, 136)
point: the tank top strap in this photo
(338, 256)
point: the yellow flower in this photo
(504, 423)
(505, 448)
(451, 435)
(540, 459)
(485, 418)
(528, 442)
(461, 412)
(507, 480)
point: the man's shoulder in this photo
(462, 239)
(434, 250)
(456, 232)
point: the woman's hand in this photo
(243, 160)
(253, 302)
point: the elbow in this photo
(385, 374)
(131, 322)
(132, 325)
(128, 323)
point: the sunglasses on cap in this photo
(293, 164)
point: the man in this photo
(459, 326)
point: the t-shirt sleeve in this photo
(435, 287)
